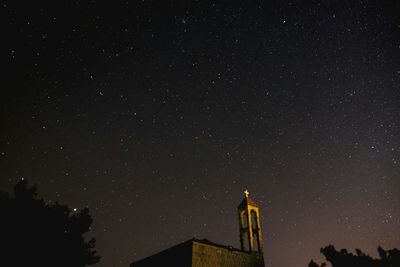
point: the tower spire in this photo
(249, 225)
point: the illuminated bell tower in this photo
(249, 225)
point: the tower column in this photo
(249, 225)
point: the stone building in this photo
(204, 253)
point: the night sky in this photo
(157, 115)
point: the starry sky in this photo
(157, 115)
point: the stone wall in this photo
(205, 255)
(202, 253)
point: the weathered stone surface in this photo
(202, 253)
(206, 255)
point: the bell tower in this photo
(249, 225)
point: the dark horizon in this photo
(156, 115)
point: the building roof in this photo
(247, 202)
(208, 242)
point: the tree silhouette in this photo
(343, 258)
(34, 233)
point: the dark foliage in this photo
(34, 233)
(343, 258)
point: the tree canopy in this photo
(36, 233)
(343, 258)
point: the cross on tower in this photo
(246, 193)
